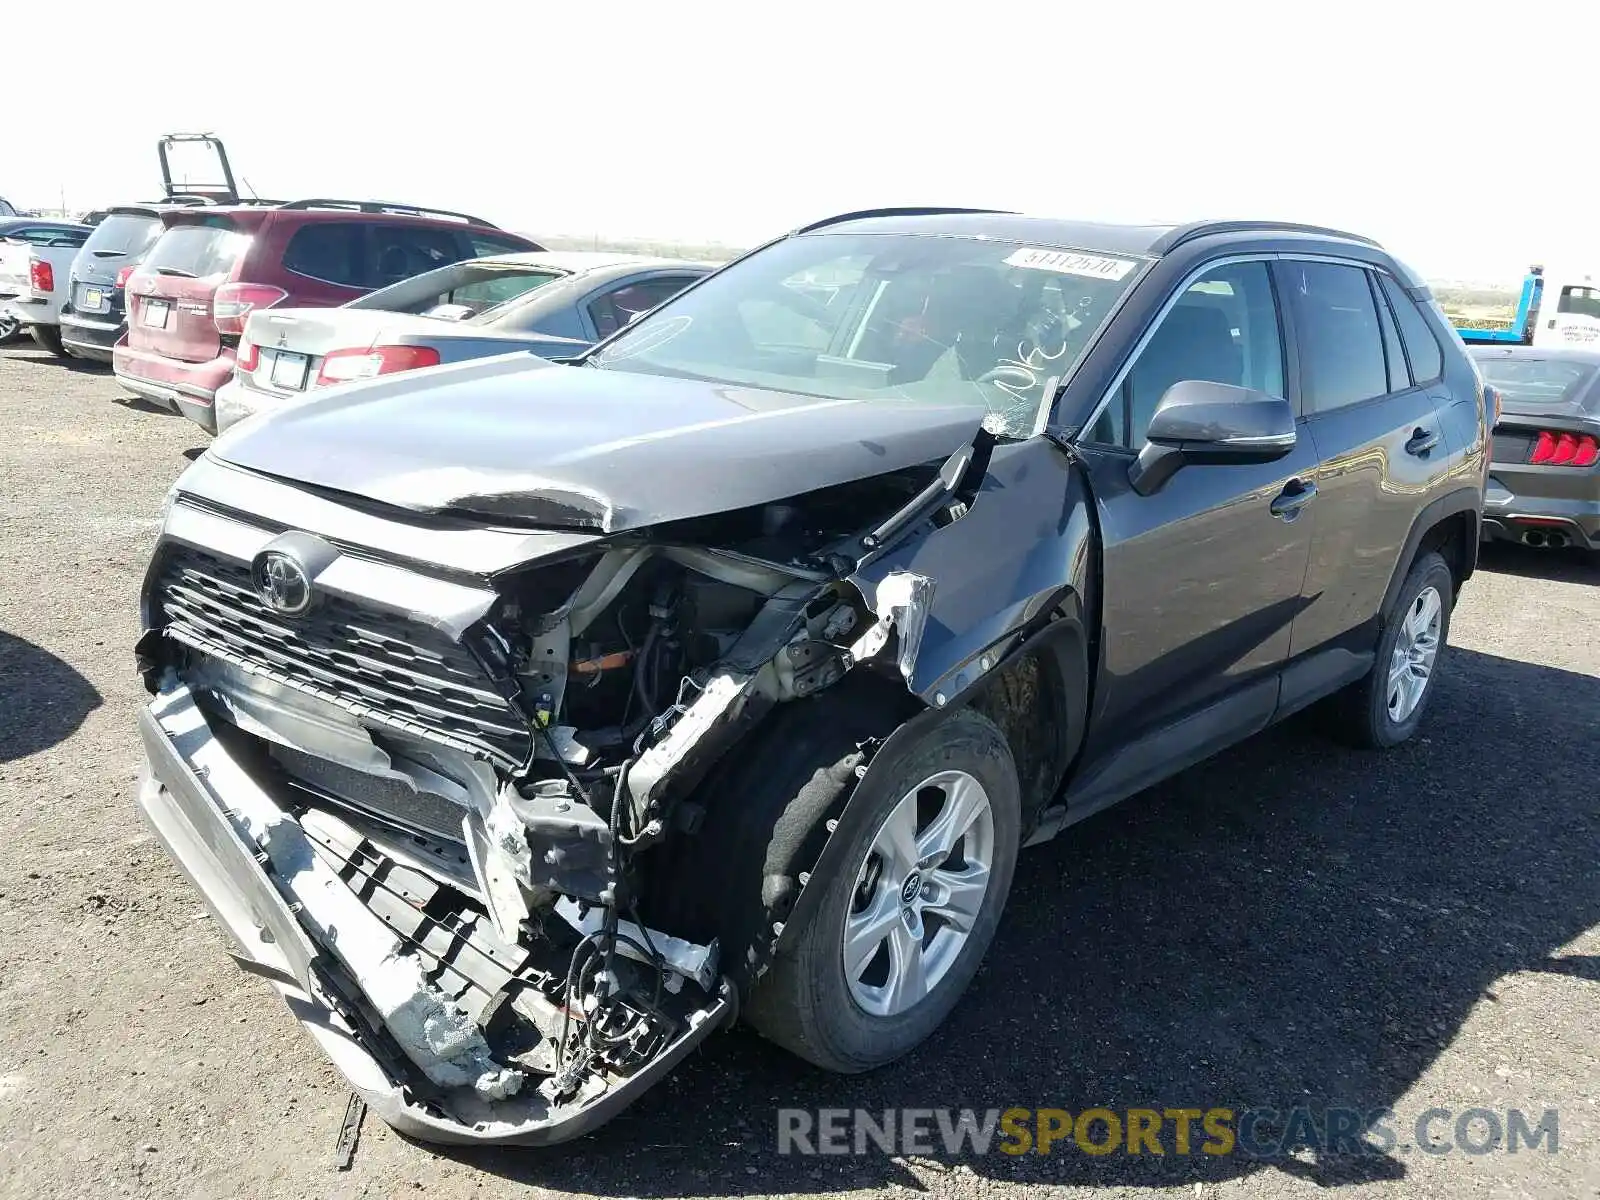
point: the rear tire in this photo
(49, 336)
(1384, 708)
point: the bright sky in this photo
(1434, 127)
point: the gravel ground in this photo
(1288, 924)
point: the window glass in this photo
(901, 317)
(486, 246)
(332, 251)
(617, 308)
(1393, 353)
(1223, 329)
(1422, 346)
(406, 250)
(210, 246)
(1341, 343)
(1582, 300)
(497, 287)
(44, 235)
(1537, 381)
(124, 234)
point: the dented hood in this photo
(585, 448)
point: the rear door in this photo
(169, 298)
(1202, 579)
(1379, 438)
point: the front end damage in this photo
(437, 806)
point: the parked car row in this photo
(216, 307)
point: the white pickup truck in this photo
(35, 269)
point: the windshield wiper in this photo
(178, 271)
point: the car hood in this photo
(519, 438)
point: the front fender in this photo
(1019, 559)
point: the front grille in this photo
(385, 668)
(1512, 446)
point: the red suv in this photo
(212, 267)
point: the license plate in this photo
(94, 299)
(289, 371)
(155, 314)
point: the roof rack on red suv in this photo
(388, 208)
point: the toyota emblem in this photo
(283, 584)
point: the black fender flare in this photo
(1463, 500)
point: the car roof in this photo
(1559, 353)
(579, 262)
(7, 223)
(1152, 240)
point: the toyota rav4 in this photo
(523, 723)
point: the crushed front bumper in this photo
(201, 801)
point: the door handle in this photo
(1296, 494)
(1421, 441)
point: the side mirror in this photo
(450, 312)
(1199, 422)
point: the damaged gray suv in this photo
(523, 723)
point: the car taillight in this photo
(236, 301)
(1491, 395)
(123, 276)
(341, 366)
(1564, 450)
(249, 356)
(41, 275)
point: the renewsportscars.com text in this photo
(1259, 1132)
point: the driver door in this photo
(1202, 578)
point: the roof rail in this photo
(384, 206)
(930, 211)
(1174, 238)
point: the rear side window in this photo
(616, 308)
(1341, 341)
(332, 251)
(1422, 347)
(200, 250)
(126, 235)
(401, 251)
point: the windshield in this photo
(125, 235)
(908, 317)
(1537, 380)
(202, 249)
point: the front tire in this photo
(1385, 708)
(902, 928)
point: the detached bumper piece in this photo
(446, 1030)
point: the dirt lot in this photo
(1289, 924)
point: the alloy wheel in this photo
(1416, 647)
(918, 893)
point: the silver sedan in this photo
(554, 304)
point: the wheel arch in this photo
(1450, 525)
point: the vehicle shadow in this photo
(42, 699)
(1292, 923)
(25, 349)
(1558, 566)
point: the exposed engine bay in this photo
(501, 789)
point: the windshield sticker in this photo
(1069, 262)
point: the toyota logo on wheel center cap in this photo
(911, 888)
(283, 584)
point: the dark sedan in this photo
(1545, 486)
